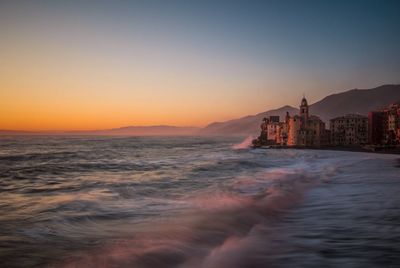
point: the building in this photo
(393, 113)
(274, 118)
(299, 130)
(269, 128)
(305, 129)
(379, 128)
(384, 126)
(376, 127)
(348, 130)
(273, 132)
(398, 134)
(281, 137)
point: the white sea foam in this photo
(194, 202)
(246, 143)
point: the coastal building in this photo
(348, 130)
(384, 126)
(268, 131)
(376, 127)
(394, 123)
(298, 130)
(305, 129)
(398, 135)
(274, 118)
(263, 138)
(381, 127)
(273, 131)
(281, 137)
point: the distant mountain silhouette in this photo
(161, 130)
(359, 101)
(246, 125)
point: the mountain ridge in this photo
(245, 125)
(359, 101)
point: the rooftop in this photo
(349, 116)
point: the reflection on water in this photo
(193, 202)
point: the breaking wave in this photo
(216, 229)
(245, 144)
(193, 202)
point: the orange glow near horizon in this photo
(62, 106)
(43, 90)
(40, 98)
(65, 67)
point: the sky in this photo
(104, 64)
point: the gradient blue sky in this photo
(100, 64)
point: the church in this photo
(305, 129)
(298, 130)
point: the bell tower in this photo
(304, 108)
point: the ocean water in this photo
(194, 202)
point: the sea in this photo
(209, 202)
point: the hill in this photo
(161, 130)
(359, 101)
(246, 125)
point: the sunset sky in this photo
(103, 64)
